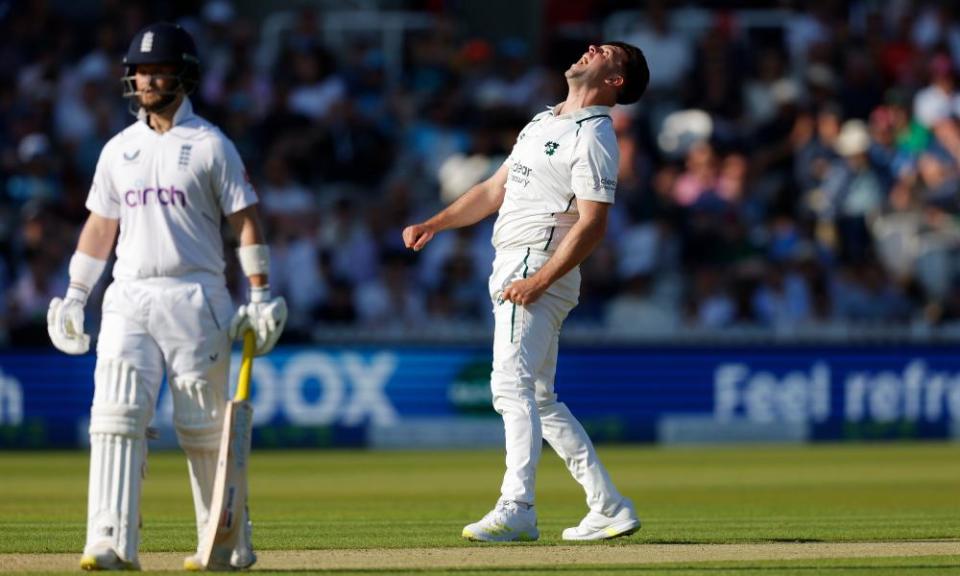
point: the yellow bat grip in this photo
(246, 366)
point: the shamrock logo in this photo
(550, 148)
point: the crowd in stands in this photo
(798, 174)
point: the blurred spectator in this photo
(713, 301)
(316, 86)
(436, 134)
(391, 301)
(339, 308)
(700, 178)
(861, 293)
(349, 148)
(344, 235)
(35, 178)
(815, 141)
(637, 310)
(717, 77)
(282, 198)
(897, 56)
(670, 56)
(851, 193)
(669, 53)
(782, 301)
(759, 91)
(41, 277)
(859, 91)
(514, 81)
(939, 100)
(809, 30)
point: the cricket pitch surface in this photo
(491, 556)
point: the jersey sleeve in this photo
(103, 198)
(231, 184)
(596, 160)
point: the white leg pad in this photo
(118, 421)
(198, 409)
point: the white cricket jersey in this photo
(556, 160)
(169, 192)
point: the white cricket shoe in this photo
(240, 559)
(509, 521)
(103, 557)
(596, 526)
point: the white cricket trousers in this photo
(176, 326)
(524, 366)
(167, 325)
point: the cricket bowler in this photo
(553, 193)
(163, 183)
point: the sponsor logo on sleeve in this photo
(608, 184)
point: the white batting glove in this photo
(264, 316)
(65, 325)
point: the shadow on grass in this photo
(715, 542)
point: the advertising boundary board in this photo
(438, 396)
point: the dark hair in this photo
(636, 74)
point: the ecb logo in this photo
(183, 162)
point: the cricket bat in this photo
(230, 486)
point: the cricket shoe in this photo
(596, 526)
(104, 557)
(509, 521)
(240, 559)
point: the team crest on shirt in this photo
(184, 161)
(550, 147)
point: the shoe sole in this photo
(618, 530)
(521, 537)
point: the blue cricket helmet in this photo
(163, 43)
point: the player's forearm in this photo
(246, 224)
(97, 236)
(90, 259)
(475, 205)
(579, 243)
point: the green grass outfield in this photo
(315, 500)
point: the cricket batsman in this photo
(553, 193)
(163, 183)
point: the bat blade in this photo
(225, 525)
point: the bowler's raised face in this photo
(597, 62)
